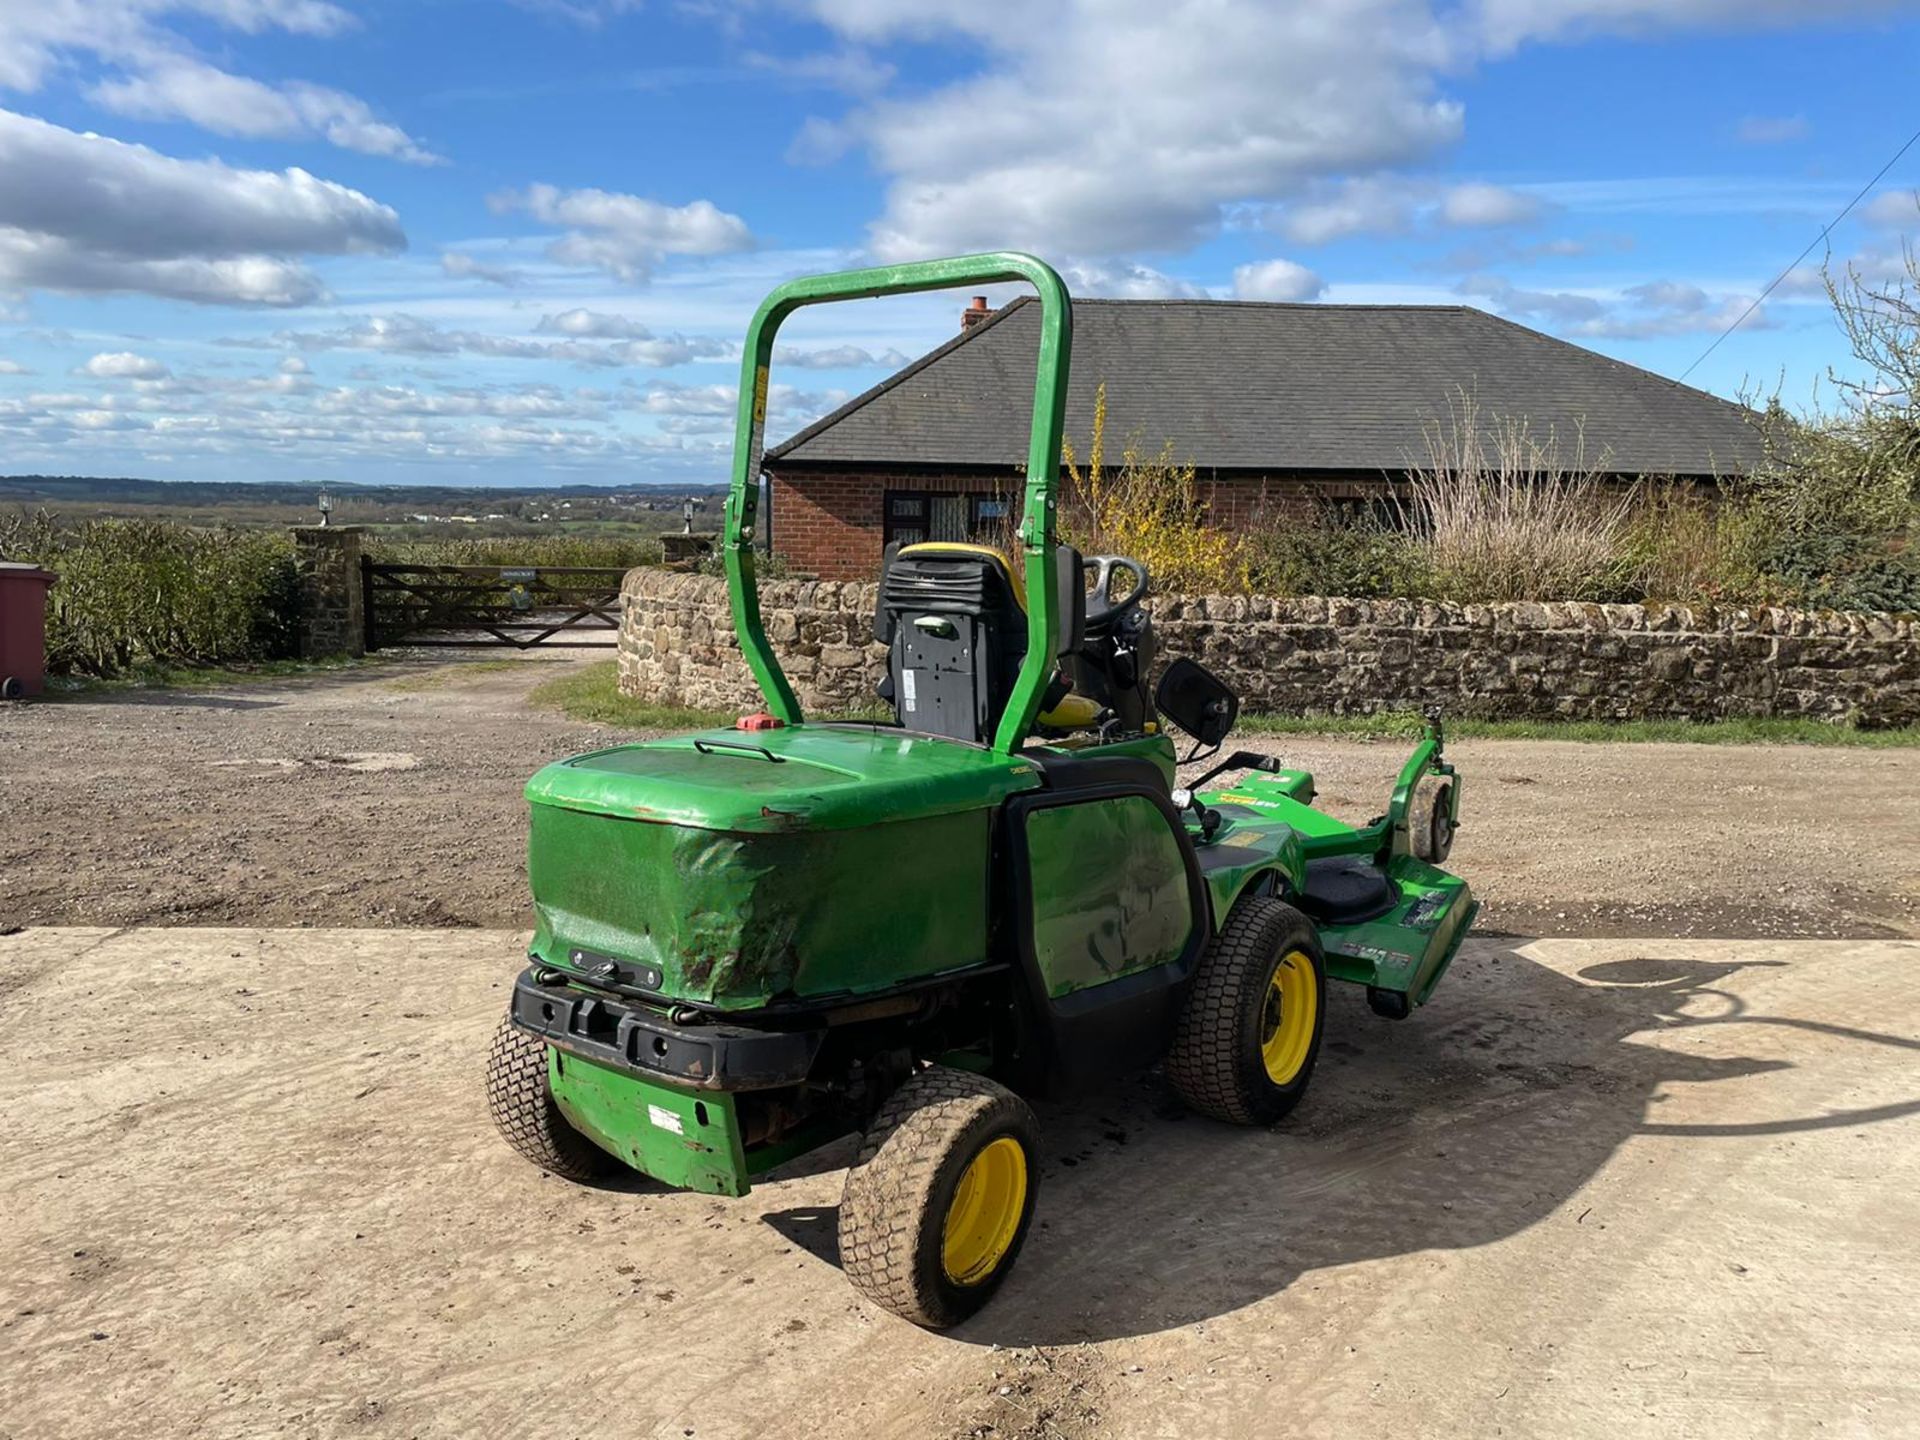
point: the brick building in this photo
(1275, 405)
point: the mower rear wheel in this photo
(940, 1196)
(1246, 1043)
(522, 1106)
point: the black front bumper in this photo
(706, 1055)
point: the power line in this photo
(1825, 231)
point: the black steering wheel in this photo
(1103, 611)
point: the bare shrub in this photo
(1502, 515)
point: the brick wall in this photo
(1523, 660)
(829, 524)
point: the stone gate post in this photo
(332, 616)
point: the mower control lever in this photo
(1209, 819)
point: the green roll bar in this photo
(1043, 462)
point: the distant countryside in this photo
(184, 573)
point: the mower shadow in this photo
(1468, 1123)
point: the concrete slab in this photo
(1631, 1188)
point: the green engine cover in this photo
(737, 920)
(806, 862)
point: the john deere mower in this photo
(752, 941)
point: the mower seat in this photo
(1345, 890)
(955, 624)
(954, 619)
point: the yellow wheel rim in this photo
(1286, 1020)
(985, 1212)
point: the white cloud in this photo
(663, 397)
(850, 70)
(1276, 280)
(819, 142)
(591, 14)
(410, 335)
(1504, 252)
(187, 89)
(13, 367)
(838, 357)
(1394, 204)
(527, 402)
(34, 34)
(1895, 209)
(1639, 312)
(1125, 280)
(1504, 25)
(1771, 129)
(591, 325)
(1373, 205)
(1481, 205)
(462, 266)
(184, 89)
(1556, 307)
(162, 79)
(123, 365)
(1104, 128)
(1167, 113)
(626, 235)
(85, 213)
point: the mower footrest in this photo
(1406, 949)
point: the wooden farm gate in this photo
(522, 606)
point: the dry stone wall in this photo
(1522, 660)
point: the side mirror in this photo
(1198, 703)
(1070, 588)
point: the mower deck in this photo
(1393, 928)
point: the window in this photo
(910, 517)
(906, 518)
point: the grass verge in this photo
(1404, 724)
(589, 694)
(156, 675)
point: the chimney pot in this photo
(974, 313)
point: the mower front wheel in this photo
(1244, 1049)
(940, 1196)
(522, 1106)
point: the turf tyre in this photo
(1430, 822)
(1215, 1061)
(522, 1107)
(1388, 1004)
(893, 1215)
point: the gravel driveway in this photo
(391, 796)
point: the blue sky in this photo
(516, 241)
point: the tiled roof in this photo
(1266, 387)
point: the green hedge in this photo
(143, 590)
(591, 551)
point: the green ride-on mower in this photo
(752, 941)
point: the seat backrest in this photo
(954, 621)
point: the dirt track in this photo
(1596, 1189)
(392, 797)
